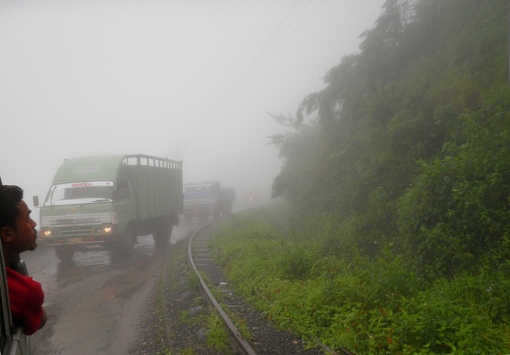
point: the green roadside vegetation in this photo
(396, 186)
(368, 305)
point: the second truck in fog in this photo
(207, 199)
(111, 200)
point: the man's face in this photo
(25, 233)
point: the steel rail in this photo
(239, 343)
(237, 340)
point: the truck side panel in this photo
(157, 185)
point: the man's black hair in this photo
(10, 197)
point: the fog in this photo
(189, 80)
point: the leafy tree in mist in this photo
(396, 102)
(298, 148)
(456, 215)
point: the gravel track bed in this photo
(171, 320)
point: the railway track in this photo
(202, 263)
(198, 252)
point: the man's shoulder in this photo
(12, 273)
(23, 286)
(19, 277)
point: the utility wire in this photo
(291, 15)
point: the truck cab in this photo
(202, 200)
(110, 200)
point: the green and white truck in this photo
(110, 200)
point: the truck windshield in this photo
(198, 188)
(79, 193)
(197, 192)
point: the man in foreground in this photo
(18, 234)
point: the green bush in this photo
(368, 305)
(458, 209)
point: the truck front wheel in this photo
(126, 243)
(64, 252)
(162, 234)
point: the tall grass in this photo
(371, 306)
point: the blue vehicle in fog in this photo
(202, 200)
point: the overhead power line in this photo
(290, 20)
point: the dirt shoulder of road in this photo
(168, 324)
(99, 313)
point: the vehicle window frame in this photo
(5, 314)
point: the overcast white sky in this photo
(190, 80)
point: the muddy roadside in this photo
(99, 313)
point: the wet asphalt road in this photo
(94, 303)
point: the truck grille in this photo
(75, 231)
(76, 220)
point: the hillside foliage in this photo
(408, 142)
(397, 178)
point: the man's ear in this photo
(7, 234)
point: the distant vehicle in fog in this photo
(207, 199)
(110, 200)
(228, 196)
(203, 200)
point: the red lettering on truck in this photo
(81, 184)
